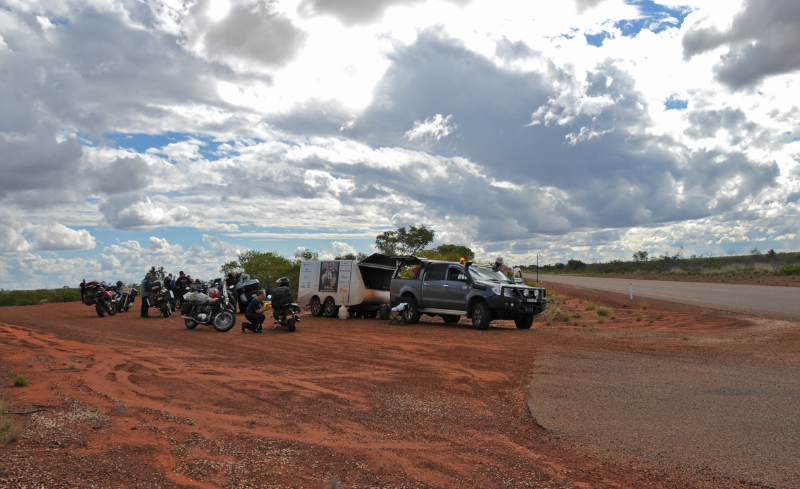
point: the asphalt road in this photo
(753, 299)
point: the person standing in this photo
(145, 286)
(500, 266)
(255, 313)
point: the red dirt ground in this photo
(131, 402)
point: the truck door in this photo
(432, 285)
(454, 291)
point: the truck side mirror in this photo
(461, 277)
(518, 280)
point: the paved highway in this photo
(753, 299)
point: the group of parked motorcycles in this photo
(108, 299)
(211, 304)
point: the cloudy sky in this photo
(177, 133)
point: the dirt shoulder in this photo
(429, 405)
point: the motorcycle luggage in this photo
(250, 286)
(150, 301)
(87, 299)
(281, 296)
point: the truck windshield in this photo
(480, 272)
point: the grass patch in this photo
(652, 321)
(591, 306)
(20, 381)
(687, 338)
(603, 311)
(638, 316)
(601, 320)
(644, 306)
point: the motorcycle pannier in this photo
(281, 296)
(250, 286)
(87, 299)
(186, 308)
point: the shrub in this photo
(638, 316)
(603, 311)
(790, 270)
(644, 306)
(20, 381)
(591, 306)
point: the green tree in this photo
(267, 267)
(305, 254)
(158, 274)
(576, 265)
(404, 242)
(640, 256)
(448, 252)
(349, 256)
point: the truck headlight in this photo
(506, 293)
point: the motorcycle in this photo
(209, 309)
(160, 298)
(103, 300)
(285, 312)
(247, 292)
(125, 298)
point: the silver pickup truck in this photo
(452, 290)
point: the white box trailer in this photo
(360, 286)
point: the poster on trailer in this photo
(328, 276)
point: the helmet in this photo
(213, 293)
(283, 282)
(119, 283)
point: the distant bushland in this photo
(33, 297)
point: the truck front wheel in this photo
(411, 313)
(525, 322)
(481, 316)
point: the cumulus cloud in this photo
(433, 128)
(138, 212)
(248, 31)
(18, 236)
(352, 12)
(762, 41)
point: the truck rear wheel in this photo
(525, 322)
(481, 316)
(316, 307)
(411, 313)
(331, 309)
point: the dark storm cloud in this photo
(763, 40)
(606, 171)
(251, 31)
(353, 12)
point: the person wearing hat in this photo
(500, 266)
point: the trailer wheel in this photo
(331, 309)
(370, 314)
(316, 307)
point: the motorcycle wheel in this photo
(290, 325)
(224, 321)
(100, 308)
(165, 310)
(111, 308)
(190, 324)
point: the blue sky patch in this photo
(674, 103)
(597, 39)
(654, 17)
(143, 142)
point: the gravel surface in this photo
(736, 416)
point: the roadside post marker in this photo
(631, 290)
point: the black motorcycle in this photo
(213, 311)
(103, 300)
(285, 312)
(247, 292)
(160, 298)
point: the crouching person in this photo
(255, 313)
